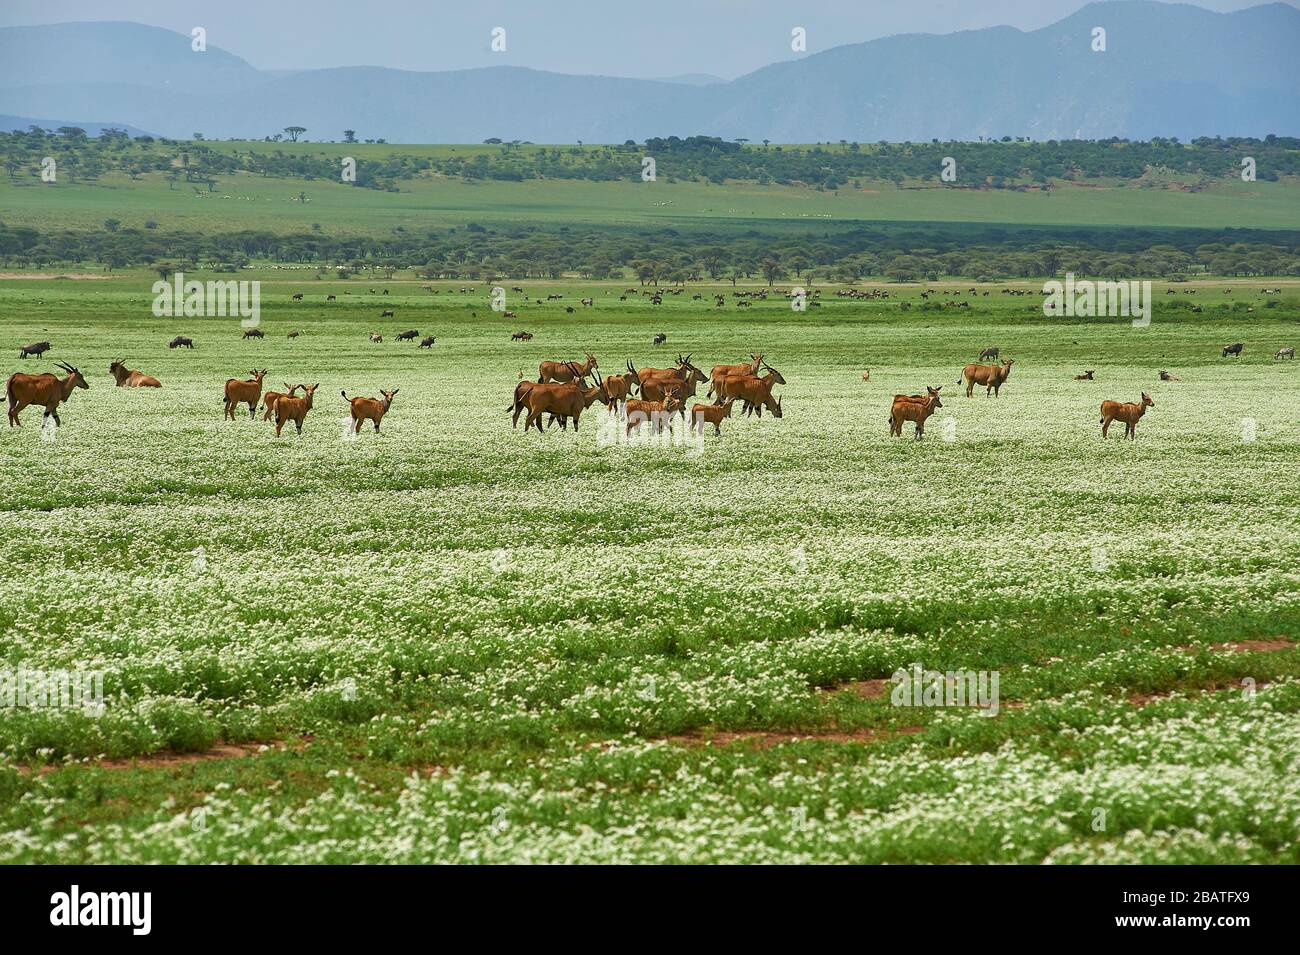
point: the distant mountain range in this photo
(1168, 70)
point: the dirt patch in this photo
(163, 759)
(1142, 699)
(768, 739)
(75, 276)
(862, 689)
(1256, 646)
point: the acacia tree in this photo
(294, 132)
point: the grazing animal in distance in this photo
(992, 377)
(1165, 376)
(565, 370)
(243, 392)
(427, 342)
(271, 397)
(331, 298)
(915, 408)
(1234, 350)
(297, 296)
(294, 334)
(1086, 376)
(369, 409)
(521, 337)
(131, 378)
(660, 338)
(376, 337)
(713, 414)
(294, 409)
(1127, 411)
(1284, 353)
(46, 390)
(866, 375)
(254, 333)
(408, 335)
(35, 348)
(987, 354)
(180, 341)
(386, 313)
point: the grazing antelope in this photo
(560, 400)
(1165, 376)
(180, 341)
(271, 397)
(35, 348)
(712, 414)
(991, 376)
(427, 341)
(1086, 376)
(132, 378)
(722, 371)
(241, 392)
(294, 409)
(254, 333)
(408, 336)
(561, 371)
(658, 413)
(369, 409)
(46, 390)
(619, 387)
(1284, 353)
(755, 392)
(294, 334)
(986, 354)
(1234, 350)
(1127, 411)
(521, 337)
(915, 408)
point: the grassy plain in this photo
(458, 642)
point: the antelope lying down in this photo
(130, 378)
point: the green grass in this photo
(461, 642)
(245, 201)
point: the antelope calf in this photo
(992, 377)
(1127, 411)
(131, 379)
(658, 413)
(294, 409)
(915, 408)
(46, 390)
(271, 397)
(369, 409)
(243, 392)
(703, 414)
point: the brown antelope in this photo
(522, 390)
(866, 375)
(684, 378)
(46, 390)
(991, 377)
(658, 413)
(562, 371)
(271, 397)
(713, 414)
(376, 337)
(294, 409)
(1086, 376)
(1127, 411)
(1165, 376)
(722, 371)
(1284, 353)
(561, 400)
(913, 408)
(369, 409)
(130, 378)
(619, 387)
(241, 392)
(754, 392)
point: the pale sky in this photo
(641, 38)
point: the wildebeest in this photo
(180, 341)
(408, 335)
(987, 353)
(131, 378)
(991, 376)
(386, 313)
(660, 338)
(297, 296)
(521, 337)
(369, 409)
(1127, 411)
(46, 390)
(294, 334)
(294, 409)
(428, 341)
(35, 348)
(254, 333)
(331, 298)
(243, 392)
(565, 370)
(915, 408)
(1234, 350)
(1284, 353)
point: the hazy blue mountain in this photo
(10, 123)
(1169, 69)
(692, 79)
